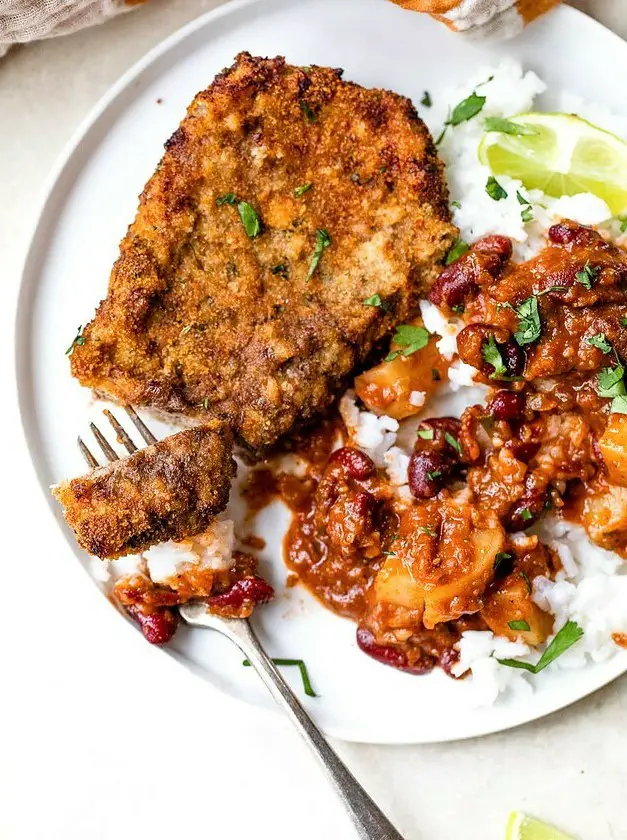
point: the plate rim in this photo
(23, 311)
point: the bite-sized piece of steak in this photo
(167, 491)
(285, 200)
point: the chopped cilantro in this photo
(492, 355)
(507, 126)
(323, 240)
(77, 341)
(425, 434)
(308, 111)
(281, 269)
(250, 219)
(462, 112)
(458, 249)
(435, 375)
(433, 474)
(375, 300)
(527, 580)
(426, 99)
(459, 308)
(600, 342)
(526, 515)
(304, 673)
(610, 382)
(302, 190)
(518, 625)
(494, 189)
(452, 441)
(456, 204)
(570, 633)
(623, 223)
(429, 531)
(501, 557)
(410, 338)
(229, 198)
(587, 275)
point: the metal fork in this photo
(369, 821)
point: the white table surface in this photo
(95, 742)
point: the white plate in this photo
(92, 198)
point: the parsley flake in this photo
(229, 198)
(435, 375)
(457, 250)
(428, 531)
(425, 434)
(304, 673)
(302, 190)
(433, 474)
(77, 341)
(518, 625)
(587, 275)
(250, 219)
(310, 114)
(507, 127)
(501, 557)
(623, 223)
(570, 633)
(426, 99)
(281, 269)
(527, 580)
(323, 240)
(526, 515)
(494, 189)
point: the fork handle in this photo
(370, 822)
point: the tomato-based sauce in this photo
(451, 550)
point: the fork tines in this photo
(121, 436)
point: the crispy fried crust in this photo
(200, 318)
(171, 490)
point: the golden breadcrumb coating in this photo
(207, 316)
(168, 491)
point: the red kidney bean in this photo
(448, 658)
(567, 233)
(513, 357)
(461, 279)
(249, 589)
(440, 428)
(507, 405)
(394, 656)
(427, 473)
(356, 463)
(525, 512)
(523, 450)
(157, 627)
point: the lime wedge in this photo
(522, 827)
(564, 155)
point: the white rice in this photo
(591, 588)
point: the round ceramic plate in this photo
(93, 196)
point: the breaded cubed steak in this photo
(167, 491)
(286, 199)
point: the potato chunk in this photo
(605, 518)
(443, 560)
(388, 387)
(613, 446)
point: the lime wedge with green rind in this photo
(565, 155)
(522, 827)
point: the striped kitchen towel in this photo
(482, 18)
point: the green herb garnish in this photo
(518, 625)
(501, 557)
(456, 204)
(425, 434)
(494, 189)
(302, 190)
(526, 515)
(308, 111)
(250, 219)
(492, 355)
(600, 342)
(623, 223)
(435, 375)
(281, 269)
(229, 198)
(587, 275)
(429, 531)
(426, 99)
(623, 322)
(433, 474)
(458, 249)
(375, 300)
(507, 126)
(610, 382)
(570, 633)
(462, 112)
(301, 667)
(527, 580)
(77, 341)
(410, 338)
(452, 441)
(323, 240)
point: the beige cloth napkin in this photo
(30, 20)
